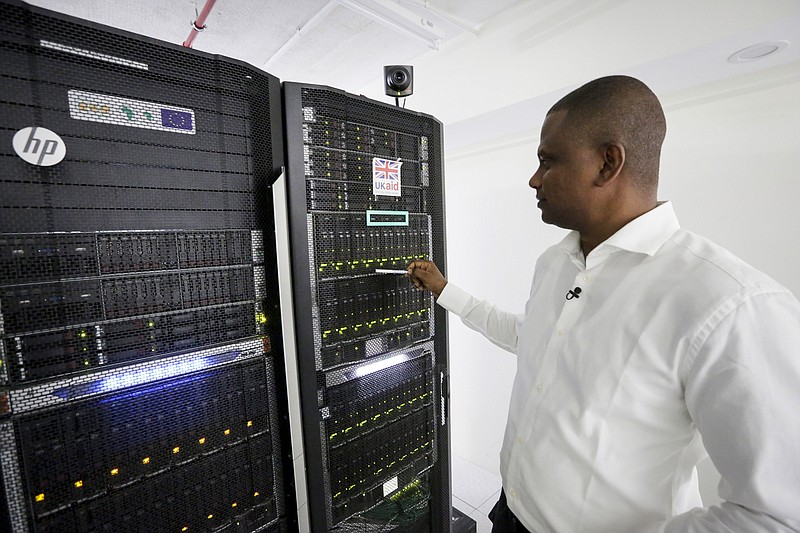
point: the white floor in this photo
(475, 491)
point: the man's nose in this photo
(535, 182)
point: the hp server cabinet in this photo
(365, 196)
(141, 383)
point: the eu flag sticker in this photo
(172, 118)
(97, 107)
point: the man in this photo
(642, 346)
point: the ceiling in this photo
(343, 43)
(479, 64)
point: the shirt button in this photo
(513, 493)
(539, 387)
(560, 333)
(587, 278)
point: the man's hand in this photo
(425, 275)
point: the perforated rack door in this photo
(141, 364)
(365, 196)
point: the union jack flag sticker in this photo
(385, 177)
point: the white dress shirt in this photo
(671, 337)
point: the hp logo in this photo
(39, 146)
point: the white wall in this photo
(730, 165)
(494, 238)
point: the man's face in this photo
(565, 180)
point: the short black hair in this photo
(619, 109)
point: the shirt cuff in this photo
(454, 299)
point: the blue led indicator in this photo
(151, 374)
(387, 218)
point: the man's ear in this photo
(613, 155)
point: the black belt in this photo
(503, 520)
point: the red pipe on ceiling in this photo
(199, 24)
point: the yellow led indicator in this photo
(249, 423)
(114, 471)
(255, 494)
(78, 484)
(40, 497)
(185, 528)
(82, 334)
(227, 431)
(202, 441)
(146, 461)
(210, 516)
(151, 324)
(176, 449)
(261, 317)
(234, 504)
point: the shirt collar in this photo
(644, 234)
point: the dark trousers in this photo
(503, 520)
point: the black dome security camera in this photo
(398, 80)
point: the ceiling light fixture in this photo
(758, 51)
(426, 5)
(314, 21)
(397, 18)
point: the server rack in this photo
(141, 371)
(365, 193)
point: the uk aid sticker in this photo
(385, 177)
